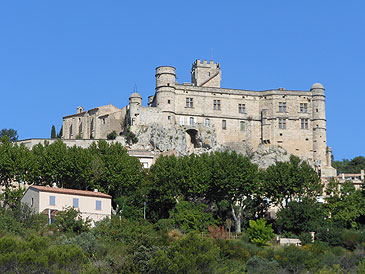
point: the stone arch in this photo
(193, 134)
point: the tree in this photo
(14, 162)
(235, 179)
(344, 204)
(60, 133)
(70, 220)
(286, 181)
(53, 132)
(12, 134)
(350, 166)
(260, 233)
(192, 217)
(306, 215)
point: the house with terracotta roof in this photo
(51, 200)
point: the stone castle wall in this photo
(291, 119)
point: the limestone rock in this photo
(266, 156)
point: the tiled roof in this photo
(71, 191)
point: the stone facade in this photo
(292, 119)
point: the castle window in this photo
(241, 108)
(191, 121)
(282, 123)
(282, 107)
(189, 102)
(169, 118)
(70, 131)
(303, 107)
(224, 124)
(181, 120)
(80, 128)
(207, 122)
(242, 125)
(168, 101)
(92, 124)
(304, 123)
(217, 104)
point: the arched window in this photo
(207, 122)
(192, 122)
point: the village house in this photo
(51, 200)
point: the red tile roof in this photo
(71, 191)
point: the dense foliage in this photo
(195, 206)
(354, 165)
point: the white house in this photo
(50, 200)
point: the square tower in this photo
(204, 74)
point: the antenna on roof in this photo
(135, 88)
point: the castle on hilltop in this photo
(292, 119)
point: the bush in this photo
(36, 255)
(191, 217)
(257, 265)
(234, 250)
(292, 258)
(352, 238)
(70, 220)
(305, 238)
(335, 269)
(304, 216)
(165, 225)
(260, 233)
(112, 135)
(330, 234)
(191, 254)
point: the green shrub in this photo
(257, 265)
(192, 254)
(305, 238)
(70, 220)
(165, 225)
(112, 135)
(338, 250)
(260, 233)
(292, 258)
(352, 238)
(335, 269)
(192, 217)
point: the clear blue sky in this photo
(57, 55)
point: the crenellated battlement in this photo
(205, 63)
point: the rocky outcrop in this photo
(266, 156)
(184, 140)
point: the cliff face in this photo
(184, 140)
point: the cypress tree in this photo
(53, 132)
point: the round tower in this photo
(165, 92)
(319, 124)
(135, 101)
